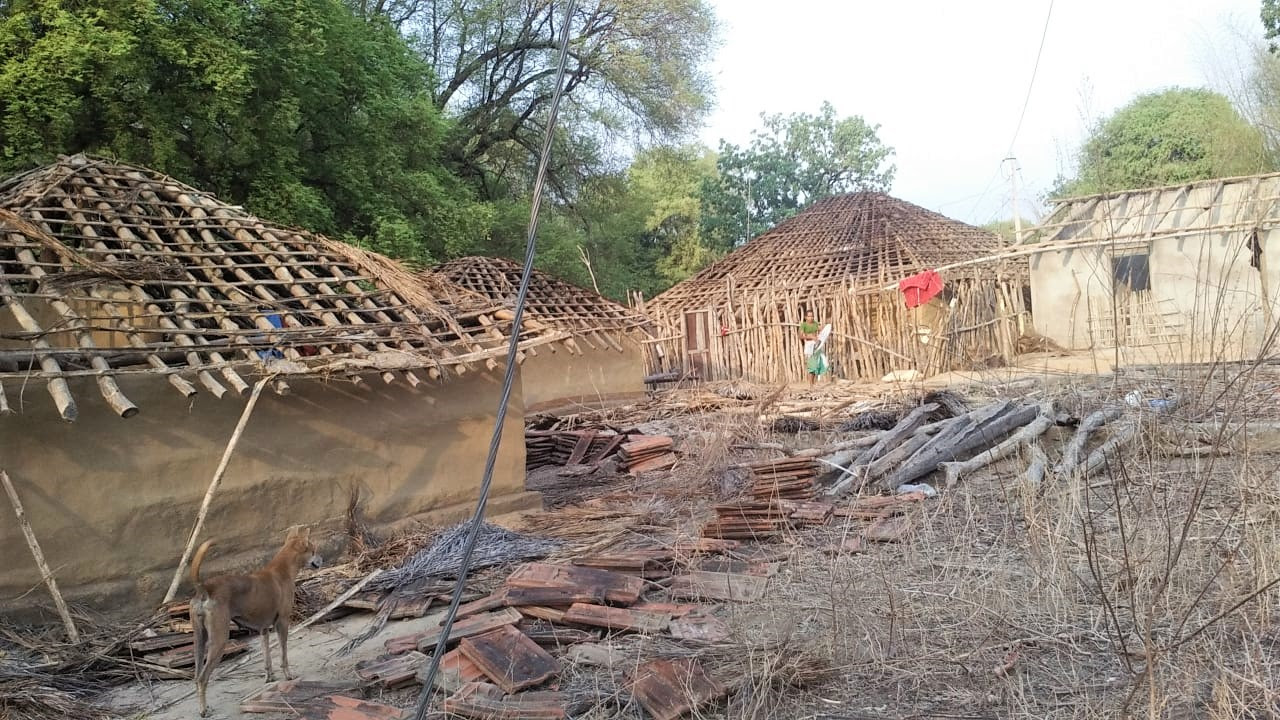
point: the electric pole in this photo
(1017, 216)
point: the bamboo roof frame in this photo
(556, 302)
(845, 243)
(205, 292)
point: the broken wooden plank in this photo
(551, 596)
(705, 545)
(510, 659)
(317, 701)
(473, 625)
(675, 610)
(662, 462)
(718, 586)
(184, 655)
(667, 689)
(612, 618)
(482, 701)
(391, 672)
(551, 635)
(541, 612)
(455, 671)
(616, 587)
(162, 641)
(580, 448)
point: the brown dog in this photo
(258, 601)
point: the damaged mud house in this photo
(669, 570)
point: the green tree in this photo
(299, 109)
(1174, 136)
(637, 68)
(792, 161)
(667, 182)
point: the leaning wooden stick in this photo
(213, 486)
(45, 572)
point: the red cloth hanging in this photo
(920, 288)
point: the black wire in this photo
(530, 243)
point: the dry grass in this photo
(1147, 589)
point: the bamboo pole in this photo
(45, 573)
(213, 486)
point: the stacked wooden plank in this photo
(644, 453)
(788, 478)
(749, 520)
(637, 452)
(170, 643)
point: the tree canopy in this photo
(297, 109)
(1174, 136)
(791, 161)
(412, 126)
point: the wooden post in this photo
(213, 486)
(45, 572)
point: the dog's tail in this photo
(195, 565)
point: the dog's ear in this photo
(294, 532)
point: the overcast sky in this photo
(946, 80)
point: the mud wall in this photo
(598, 374)
(112, 501)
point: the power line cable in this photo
(1026, 101)
(1031, 85)
(477, 519)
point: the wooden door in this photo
(697, 341)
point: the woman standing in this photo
(815, 353)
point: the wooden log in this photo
(978, 437)
(1075, 448)
(45, 573)
(1038, 466)
(890, 439)
(894, 457)
(213, 487)
(1123, 435)
(955, 470)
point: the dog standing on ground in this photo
(258, 601)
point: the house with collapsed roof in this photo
(1178, 273)
(898, 283)
(604, 358)
(138, 312)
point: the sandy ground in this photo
(312, 656)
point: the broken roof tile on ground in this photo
(667, 689)
(510, 659)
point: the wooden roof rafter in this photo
(860, 239)
(202, 292)
(550, 300)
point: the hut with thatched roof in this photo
(1177, 273)
(603, 360)
(844, 258)
(138, 311)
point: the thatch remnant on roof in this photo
(740, 316)
(110, 270)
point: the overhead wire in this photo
(1026, 102)
(477, 518)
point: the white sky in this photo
(946, 80)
